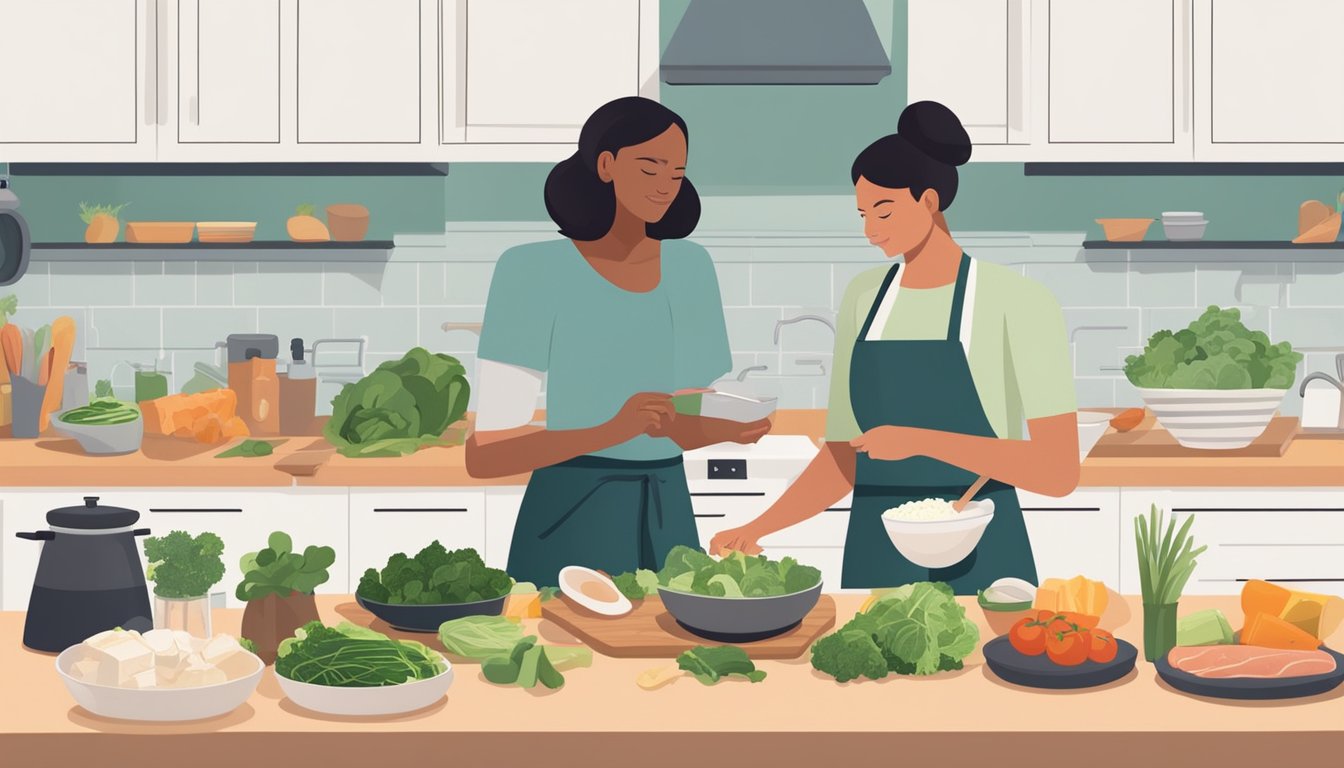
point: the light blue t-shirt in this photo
(549, 310)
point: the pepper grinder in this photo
(298, 393)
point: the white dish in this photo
(1091, 426)
(156, 704)
(941, 543)
(725, 405)
(591, 589)
(1182, 215)
(369, 702)
(1214, 419)
(1184, 230)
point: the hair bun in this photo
(934, 130)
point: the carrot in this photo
(1127, 420)
(304, 227)
(102, 222)
(1269, 631)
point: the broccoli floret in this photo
(370, 587)
(432, 557)
(848, 655)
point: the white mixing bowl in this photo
(941, 543)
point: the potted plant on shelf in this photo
(183, 569)
(278, 585)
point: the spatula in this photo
(966, 497)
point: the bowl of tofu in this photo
(159, 676)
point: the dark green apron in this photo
(925, 384)
(610, 514)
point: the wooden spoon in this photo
(966, 497)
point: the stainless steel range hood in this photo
(775, 42)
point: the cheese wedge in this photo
(1076, 595)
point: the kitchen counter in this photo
(59, 462)
(795, 717)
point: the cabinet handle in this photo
(194, 110)
(1188, 510)
(1187, 55)
(1061, 509)
(720, 514)
(187, 510)
(151, 62)
(420, 509)
(160, 44)
(1019, 22)
(727, 493)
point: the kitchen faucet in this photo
(743, 375)
(800, 318)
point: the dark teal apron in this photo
(925, 384)
(610, 514)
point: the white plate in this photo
(573, 577)
(156, 704)
(369, 702)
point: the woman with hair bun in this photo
(616, 315)
(939, 360)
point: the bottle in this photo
(262, 405)
(298, 393)
(149, 385)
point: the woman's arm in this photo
(1046, 463)
(826, 480)
(691, 432)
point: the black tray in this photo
(1041, 672)
(1252, 688)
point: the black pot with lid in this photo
(89, 577)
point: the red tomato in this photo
(1068, 649)
(1028, 637)
(1083, 620)
(1103, 646)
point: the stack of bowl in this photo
(1184, 225)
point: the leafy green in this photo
(739, 575)
(400, 407)
(435, 576)
(917, 629)
(1215, 352)
(637, 585)
(102, 388)
(248, 645)
(1165, 560)
(183, 566)
(249, 448)
(480, 637)
(350, 656)
(87, 212)
(710, 664)
(279, 570)
(9, 305)
(102, 412)
(527, 664)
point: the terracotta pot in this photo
(273, 618)
(347, 222)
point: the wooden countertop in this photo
(795, 717)
(59, 462)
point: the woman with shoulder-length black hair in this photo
(939, 359)
(616, 315)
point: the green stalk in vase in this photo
(1165, 565)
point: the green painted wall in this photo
(766, 141)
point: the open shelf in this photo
(1209, 245)
(362, 250)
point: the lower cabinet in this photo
(501, 513)
(1289, 535)
(1078, 534)
(384, 521)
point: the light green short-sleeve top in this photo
(549, 310)
(1019, 351)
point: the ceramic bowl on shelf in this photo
(225, 231)
(1184, 225)
(1125, 230)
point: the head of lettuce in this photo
(401, 407)
(1215, 352)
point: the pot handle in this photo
(36, 535)
(140, 532)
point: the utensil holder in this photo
(26, 404)
(6, 402)
(1159, 630)
(188, 614)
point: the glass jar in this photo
(188, 614)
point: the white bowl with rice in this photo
(931, 534)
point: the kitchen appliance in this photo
(775, 42)
(1323, 400)
(336, 362)
(298, 393)
(15, 242)
(89, 577)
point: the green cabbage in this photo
(917, 629)
(1215, 352)
(401, 407)
(738, 575)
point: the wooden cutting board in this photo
(1144, 442)
(650, 632)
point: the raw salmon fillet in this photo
(1250, 661)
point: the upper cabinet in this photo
(78, 79)
(315, 80)
(1267, 91)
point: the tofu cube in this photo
(103, 639)
(121, 660)
(237, 666)
(184, 642)
(146, 679)
(220, 647)
(198, 673)
(85, 669)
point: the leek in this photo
(1166, 561)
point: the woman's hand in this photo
(645, 413)
(887, 443)
(691, 432)
(735, 540)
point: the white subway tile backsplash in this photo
(302, 322)
(357, 285)
(1095, 392)
(1318, 284)
(433, 286)
(125, 328)
(734, 284)
(1097, 334)
(91, 283)
(751, 329)
(1308, 327)
(1153, 284)
(790, 285)
(1088, 284)
(1245, 284)
(200, 328)
(390, 330)
(214, 283)
(279, 284)
(466, 284)
(165, 284)
(454, 342)
(401, 285)
(33, 289)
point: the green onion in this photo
(1165, 563)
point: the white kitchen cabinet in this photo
(228, 73)
(79, 80)
(532, 71)
(972, 56)
(1266, 84)
(384, 521)
(1075, 535)
(501, 513)
(1292, 535)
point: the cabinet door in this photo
(984, 80)
(228, 71)
(386, 521)
(1269, 90)
(359, 76)
(78, 80)
(1075, 535)
(1290, 535)
(23, 511)
(536, 69)
(1117, 76)
(501, 513)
